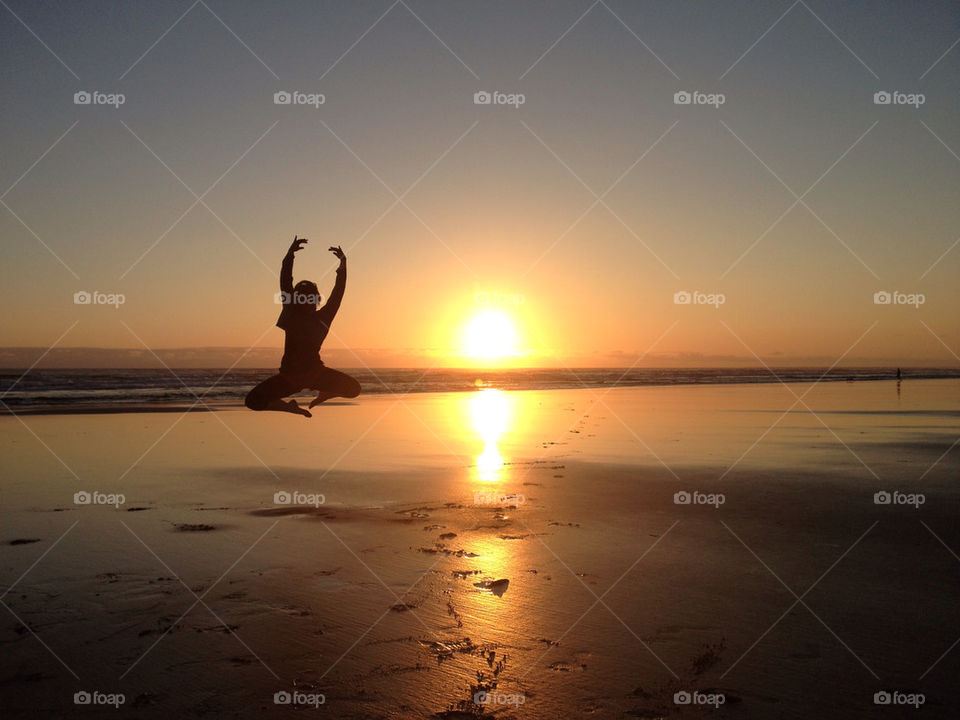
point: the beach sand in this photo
(529, 545)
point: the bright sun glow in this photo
(490, 335)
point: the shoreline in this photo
(139, 407)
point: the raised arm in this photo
(330, 308)
(286, 269)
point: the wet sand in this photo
(529, 545)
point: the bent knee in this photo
(352, 389)
(254, 401)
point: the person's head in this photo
(306, 296)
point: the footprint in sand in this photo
(566, 667)
(461, 574)
(497, 587)
(403, 607)
(199, 527)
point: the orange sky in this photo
(579, 215)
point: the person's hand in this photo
(296, 245)
(338, 251)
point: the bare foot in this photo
(289, 406)
(321, 397)
(296, 409)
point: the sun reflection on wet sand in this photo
(490, 411)
(495, 416)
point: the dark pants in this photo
(279, 386)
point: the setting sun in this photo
(490, 335)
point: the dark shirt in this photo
(305, 327)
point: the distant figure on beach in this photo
(306, 328)
(898, 373)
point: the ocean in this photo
(60, 390)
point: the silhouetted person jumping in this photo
(306, 328)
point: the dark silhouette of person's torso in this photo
(305, 330)
(305, 326)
